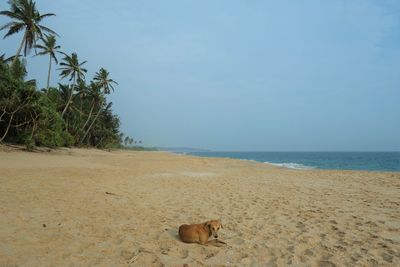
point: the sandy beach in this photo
(79, 207)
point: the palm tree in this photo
(95, 94)
(72, 68)
(49, 47)
(101, 78)
(81, 88)
(25, 18)
(64, 92)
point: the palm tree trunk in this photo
(19, 49)
(87, 120)
(89, 116)
(8, 127)
(48, 75)
(69, 99)
(91, 125)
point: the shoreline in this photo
(295, 165)
(94, 207)
(20, 148)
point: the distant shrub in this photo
(29, 143)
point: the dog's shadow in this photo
(173, 233)
(217, 243)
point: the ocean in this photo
(369, 161)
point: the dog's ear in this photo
(222, 226)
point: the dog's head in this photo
(213, 226)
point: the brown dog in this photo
(199, 233)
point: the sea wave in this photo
(292, 165)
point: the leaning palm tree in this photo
(63, 93)
(25, 18)
(94, 92)
(103, 81)
(73, 69)
(49, 47)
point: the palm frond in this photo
(7, 25)
(53, 56)
(14, 29)
(41, 53)
(11, 14)
(62, 52)
(41, 47)
(47, 30)
(46, 15)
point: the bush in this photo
(29, 143)
(50, 131)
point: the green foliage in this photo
(74, 114)
(50, 131)
(139, 148)
(105, 132)
(33, 117)
(29, 143)
(30, 117)
(70, 67)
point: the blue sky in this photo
(240, 75)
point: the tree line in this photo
(75, 112)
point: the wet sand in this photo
(79, 207)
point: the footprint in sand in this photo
(210, 255)
(326, 263)
(341, 234)
(245, 260)
(387, 257)
(309, 252)
(164, 251)
(144, 258)
(184, 254)
(356, 257)
(300, 225)
(238, 241)
(272, 263)
(128, 255)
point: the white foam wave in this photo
(292, 165)
(251, 160)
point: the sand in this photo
(77, 207)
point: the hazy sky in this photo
(240, 75)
